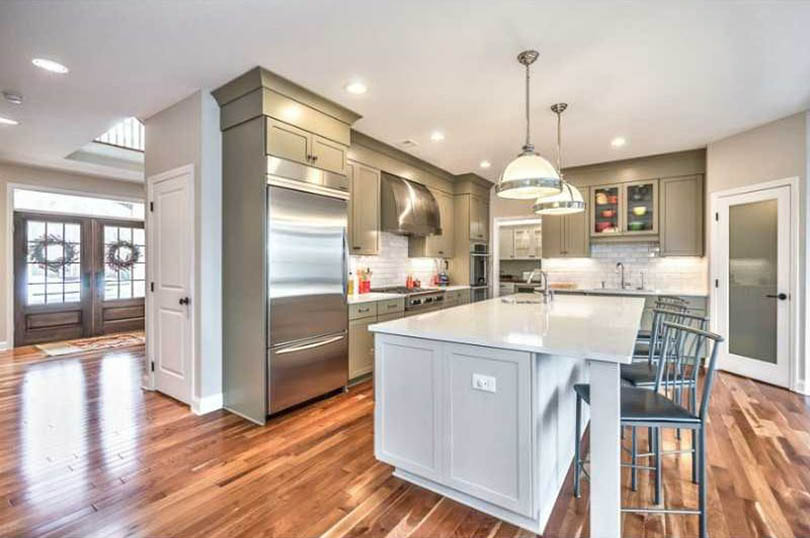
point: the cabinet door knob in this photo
(314, 158)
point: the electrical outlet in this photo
(483, 382)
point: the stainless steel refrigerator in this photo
(307, 265)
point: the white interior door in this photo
(171, 240)
(753, 283)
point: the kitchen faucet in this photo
(623, 284)
(547, 292)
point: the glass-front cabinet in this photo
(625, 209)
(640, 207)
(606, 214)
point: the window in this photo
(128, 134)
(124, 263)
(53, 262)
(53, 202)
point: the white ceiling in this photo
(667, 77)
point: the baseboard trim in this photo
(206, 404)
(802, 387)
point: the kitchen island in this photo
(476, 402)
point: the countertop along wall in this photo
(48, 179)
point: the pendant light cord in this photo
(559, 145)
(528, 146)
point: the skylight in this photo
(128, 134)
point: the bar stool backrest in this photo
(660, 315)
(672, 368)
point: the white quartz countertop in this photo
(372, 297)
(377, 296)
(579, 326)
(635, 292)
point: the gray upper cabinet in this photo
(364, 209)
(506, 243)
(566, 236)
(328, 155)
(479, 219)
(681, 202)
(287, 141)
(292, 143)
(437, 245)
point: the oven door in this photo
(479, 269)
(479, 294)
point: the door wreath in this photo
(39, 252)
(123, 254)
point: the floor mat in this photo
(56, 349)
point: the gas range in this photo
(417, 299)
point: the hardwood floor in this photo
(86, 452)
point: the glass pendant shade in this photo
(529, 176)
(566, 202)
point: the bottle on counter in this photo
(351, 285)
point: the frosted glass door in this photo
(754, 288)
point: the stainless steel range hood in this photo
(407, 207)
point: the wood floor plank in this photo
(86, 452)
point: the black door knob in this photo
(780, 296)
(185, 300)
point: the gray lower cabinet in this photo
(682, 216)
(361, 341)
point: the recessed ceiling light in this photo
(50, 65)
(618, 142)
(356, 87)
(7, 121)
(437, 136)
(485, 164)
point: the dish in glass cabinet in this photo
(608, 213)
(613, 199)
(601, 198)
(639, 211)
(635, 226)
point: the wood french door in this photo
(76, 277)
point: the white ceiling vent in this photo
(408, 144)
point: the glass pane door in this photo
(53, 263)
(753, 279)
(641, 206)
(124, 263)
(605, 211)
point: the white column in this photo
(605, 450)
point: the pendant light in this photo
(529, 175)
(569, 200)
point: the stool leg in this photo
(695, 457)
(633, 470)
(577, 457)
(703, 531)
(650, 444)
(657, 457)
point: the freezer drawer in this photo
(304, 369)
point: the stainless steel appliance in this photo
(307, 263)
(417, 300)
(479, 272)
(407, 207)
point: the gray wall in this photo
(57, 180)
(776, 150)
(188, 133)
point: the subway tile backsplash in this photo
(392, 266)
(688, 274)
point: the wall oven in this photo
(479, 271)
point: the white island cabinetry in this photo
(477, 403)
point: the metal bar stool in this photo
(670, 302)
(653, 409)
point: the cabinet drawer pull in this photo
(392, 306)
(356, 247)
(363, 309)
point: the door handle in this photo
(780, 296)
(185, 300)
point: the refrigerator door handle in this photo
(346, 266)
(310, 345)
